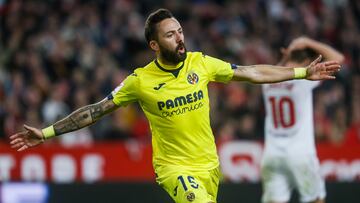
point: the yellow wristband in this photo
(48, 132)
(299, 73)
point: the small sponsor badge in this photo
(192, 78)
(190, 196)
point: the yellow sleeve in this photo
(219, 70)
(126, 92)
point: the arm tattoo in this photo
(96, 112)
(84, 116)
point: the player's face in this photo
(171, 41)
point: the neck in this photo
(167, 65)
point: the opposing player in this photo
(290, 160)
(172, 91)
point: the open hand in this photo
(26, 139)
(322, 71)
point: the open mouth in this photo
(181, 49)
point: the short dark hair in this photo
(300, 55)
(153, 19)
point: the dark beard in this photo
(173, 57)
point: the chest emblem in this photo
(192, 78)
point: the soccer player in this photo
(172, 91)
(290, 160)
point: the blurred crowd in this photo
(59, 55)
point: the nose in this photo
(178, 37)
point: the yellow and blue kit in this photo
(176, 102)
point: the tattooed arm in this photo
(84, 116)
(78, 119)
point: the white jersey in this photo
(289, 126)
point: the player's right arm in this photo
(122, 95)
(78, 119)
(84, 116)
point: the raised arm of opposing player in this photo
(329, 53)
(78, 119)
(271, 74)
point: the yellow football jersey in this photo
(176, 103)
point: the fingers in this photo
(331, 72)
(23, 148)
(17, 140)
(332, 65)
(17, 145)
(331, 62)
(333, 68)
(29, 128)
(316, 61)
(324, 70)
(20, 144)
(17, 135)
(327, 77)
(25, 139)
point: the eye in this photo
(169, 35)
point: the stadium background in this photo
(56, 56)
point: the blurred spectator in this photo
(2, 111)
(54, 107)
(59, 55)
(353, 135)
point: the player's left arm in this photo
(271, 74)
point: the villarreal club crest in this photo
(192, 78)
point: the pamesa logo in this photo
(181, 100)
(181, 104)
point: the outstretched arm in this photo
(84, 116)
(78, 119)
(271, 74)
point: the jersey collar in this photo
(168, 69)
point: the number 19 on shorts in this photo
(185, 183)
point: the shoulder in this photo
(140, 71)
(146, 74)
(195, 55)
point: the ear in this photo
(154, 45)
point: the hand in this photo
(26, 139)
(322, 71)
